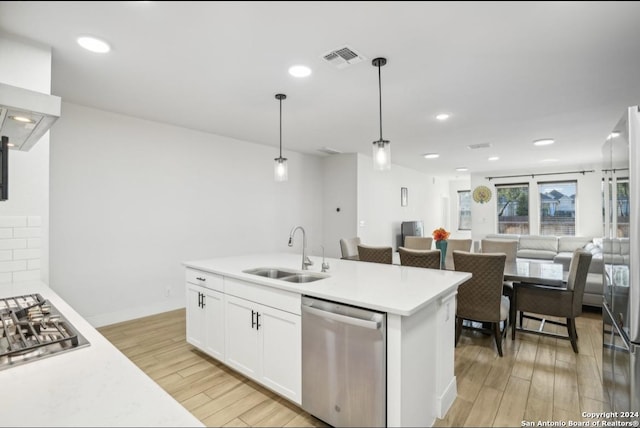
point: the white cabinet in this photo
(205, 314)
(265, 344)
(254, 329)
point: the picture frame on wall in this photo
(404, 197)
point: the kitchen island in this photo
(419, 305)
(95, 385)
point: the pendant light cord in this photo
(380, 98)
(280, 127)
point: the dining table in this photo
(537, 272)
(543, 272)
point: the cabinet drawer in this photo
(263, 294)
(205, 279)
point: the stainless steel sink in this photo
(302, 278)
(292, 276)
(270, 272)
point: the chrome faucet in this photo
(306, 262)
(325, 265)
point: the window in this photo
(558, 208)
(464, 210)
(622, 207)
(513, 208)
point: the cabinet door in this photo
(241, 336)
(195, 316)
(280, 347)
(214, 324)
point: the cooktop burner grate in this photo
(32, 328)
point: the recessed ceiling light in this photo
(549, 160)
(299, 71)
(493, 158)
(94, 45)
(11, 145)
(462, 169)
(442, 116)
(431, 156)
(543, 142)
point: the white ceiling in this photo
(507, 72)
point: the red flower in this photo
(440, 234)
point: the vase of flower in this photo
(440, 235)
(442, 246)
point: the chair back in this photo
(480, 297)
(417, 242)
(429, 259)
(455, 245)
(367, 253)
(578, 270)
(510, 248)
(349, 246)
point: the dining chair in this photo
(368, 253)
(429, 259)
(349, 247)
(417, 242)
(508, 248)
(551, 301)
(480, 298)
(455, 245)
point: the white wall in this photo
(588, 204)
(131, 199)
(379, 212)
(340, 201)
(27, 65)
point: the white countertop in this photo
(400, 290)
(91, 386)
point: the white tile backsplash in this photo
(31, 253)
(33, 243)
(26, 232)
(34, 221)
(20, 254)
(13, 221)
(12, 244)
(13, 266)
(27, 275)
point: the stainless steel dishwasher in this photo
(344, 370)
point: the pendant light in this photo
(381, 147)
(280, 167)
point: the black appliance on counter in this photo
(32, 328)
(621, 257)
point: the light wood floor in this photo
(538, 379)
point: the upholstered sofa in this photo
(559, 249)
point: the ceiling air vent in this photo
(479, 146)
(343, 57)
(329, 151)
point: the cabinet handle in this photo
(257, 320)
(201, 279)
(253, 314)
(199, 299)
(204, 303)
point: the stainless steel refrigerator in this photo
(410, 228)
(621, 257)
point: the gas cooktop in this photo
(32, 328)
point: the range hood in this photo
(25, 115)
